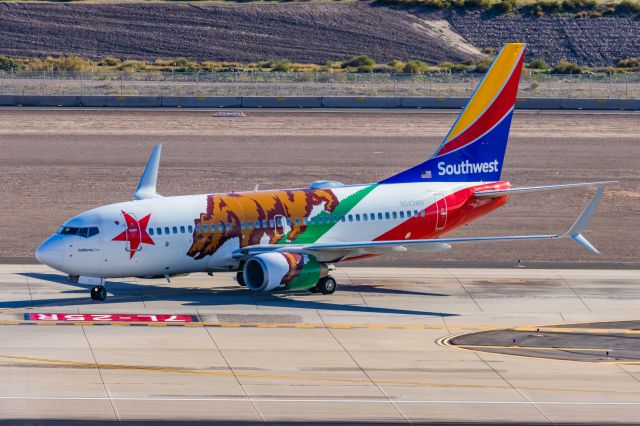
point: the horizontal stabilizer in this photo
(514, 191)
(147, 186)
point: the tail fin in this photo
(474, 148)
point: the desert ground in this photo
(57, 163)
(302, 32)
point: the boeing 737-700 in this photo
(290, 239)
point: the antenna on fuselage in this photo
(147, 186)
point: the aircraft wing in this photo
(341, 249)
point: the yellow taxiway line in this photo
(43, 362)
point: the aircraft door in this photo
(441, 211)
(280, 225)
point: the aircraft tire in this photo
(327, 285)
(240, 278)
(99, 293)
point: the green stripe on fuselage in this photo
(324, 221)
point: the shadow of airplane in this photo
(126, 291)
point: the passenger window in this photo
(272, 224)
(166, 230)
(190, 228)
(297, 221)
(304, 220)
(288, 222)
(205, 227)
(312, 220)
(220, 227)
(372, 216)
(401, 214)
(241, 225)
(197, 228)
(151, 231)
(380, 216)
(415, 212)
(250, 225)
(408, 213)
(159, 231)
(257, 224)
(182, 230)
(343, 218)
(228, 226)
(350, 218)
(175, 229)
(394, 215)
(264, 223)
(423, 213)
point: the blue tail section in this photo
(474, 148)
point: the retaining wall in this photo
(304, 102)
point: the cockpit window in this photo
(85, 232)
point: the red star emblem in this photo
(135, 233)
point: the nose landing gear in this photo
(99, 293)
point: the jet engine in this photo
(286, 271)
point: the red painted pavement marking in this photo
(110, 317)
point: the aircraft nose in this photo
(51, 252)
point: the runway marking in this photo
(533, 348)
(313, 400)
(40, 362)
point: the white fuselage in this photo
(175, 225)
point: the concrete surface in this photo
(374, 351)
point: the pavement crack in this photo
(104, 385)
(504, 379)
(373, 382)
(464, 288)
(561, 278)
(235, 376)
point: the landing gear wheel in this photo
(327, 285)
(99, 293)
(240, 278)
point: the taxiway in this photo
(381, 349)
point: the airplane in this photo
(290, 239)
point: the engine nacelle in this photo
(288, 271)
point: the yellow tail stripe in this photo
(490, 87)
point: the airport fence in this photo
(275, 84)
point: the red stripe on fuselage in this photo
(462, 208)
(492, 116)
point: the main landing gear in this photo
(326, 285)
(99, 293)
(240, 278)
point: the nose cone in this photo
(51, 252)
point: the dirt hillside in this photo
(301, 32)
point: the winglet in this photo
(147, 186)
(575, 232)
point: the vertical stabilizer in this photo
(474, 148)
